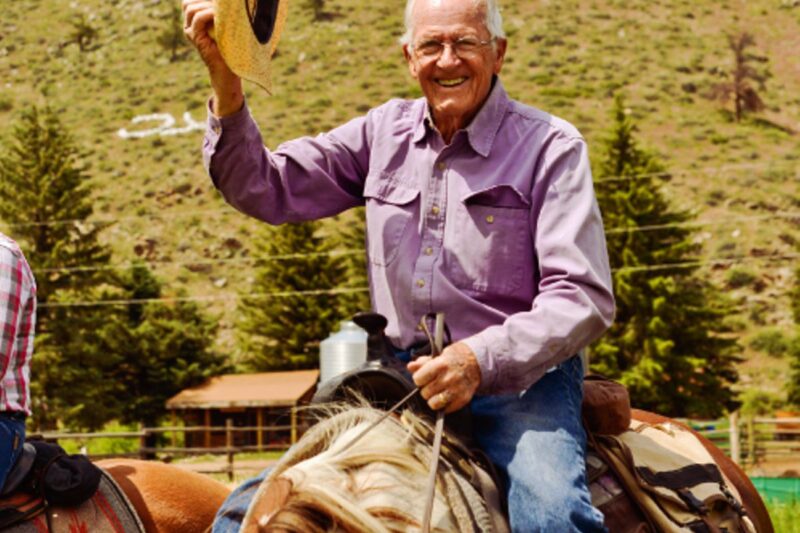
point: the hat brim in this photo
(247, 42)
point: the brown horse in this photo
(168, 499)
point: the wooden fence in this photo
(169, 448)
(754, 441)
(750, 441)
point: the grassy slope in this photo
(567, 57)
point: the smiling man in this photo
(477, 206)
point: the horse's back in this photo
(750, 497)
(167, 498)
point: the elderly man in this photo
(477, 206)
(17, 320)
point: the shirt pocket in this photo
(391, 206)
(492, 249)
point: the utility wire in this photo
(337, 253)
(221, 210)
(702, 262)
(220, 297)
(702, 223)
(131, 264)
(288, 294)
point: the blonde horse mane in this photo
(376, 485)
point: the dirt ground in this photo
(787, 467)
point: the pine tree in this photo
(666, 344)
(158, 348)
(46, 201)
(282, 332)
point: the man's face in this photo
(454, 85)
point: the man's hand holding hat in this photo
(198, 20)
(245, 35)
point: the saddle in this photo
(46, 486)
(646, 478)
(383, 380)
(108, 510)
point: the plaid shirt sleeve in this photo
(17, 321)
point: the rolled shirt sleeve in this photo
(575, 302)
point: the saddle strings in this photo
(436, 342)
(436, 349)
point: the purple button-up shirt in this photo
(500, 229)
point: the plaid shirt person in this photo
(17, 321)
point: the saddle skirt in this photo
(108, 511)
(670, 477)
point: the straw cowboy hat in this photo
(247, 33)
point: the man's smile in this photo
(451, 82)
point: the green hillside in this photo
(569, 58)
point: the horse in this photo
(377, 483)
(156, 498)
(167, 498)
(383, 476)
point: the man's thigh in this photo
(536, 439)
(12, 437)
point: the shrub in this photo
(740, 277)
(772, 341)
(758, 402)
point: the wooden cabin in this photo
(252, 411)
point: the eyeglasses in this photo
(465, 48)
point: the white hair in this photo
(493, 20)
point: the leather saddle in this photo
(383, 380)
(45, 475)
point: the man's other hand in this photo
(198, 19)
(448, 381)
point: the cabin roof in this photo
(266, 389)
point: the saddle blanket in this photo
(108, 511)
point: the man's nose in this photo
(449, 56)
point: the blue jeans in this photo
(537, 442)
(12, 437)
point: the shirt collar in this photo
(483, 128)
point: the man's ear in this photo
(412, 65)
(500, 54)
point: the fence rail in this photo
(754, 441)
(749, 441)
(153, 449)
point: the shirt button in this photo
(216, 129)
(441, 166)
(435, 210)
(428, 251)
(420, 283)
(489, 218)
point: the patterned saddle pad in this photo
(108, 511)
